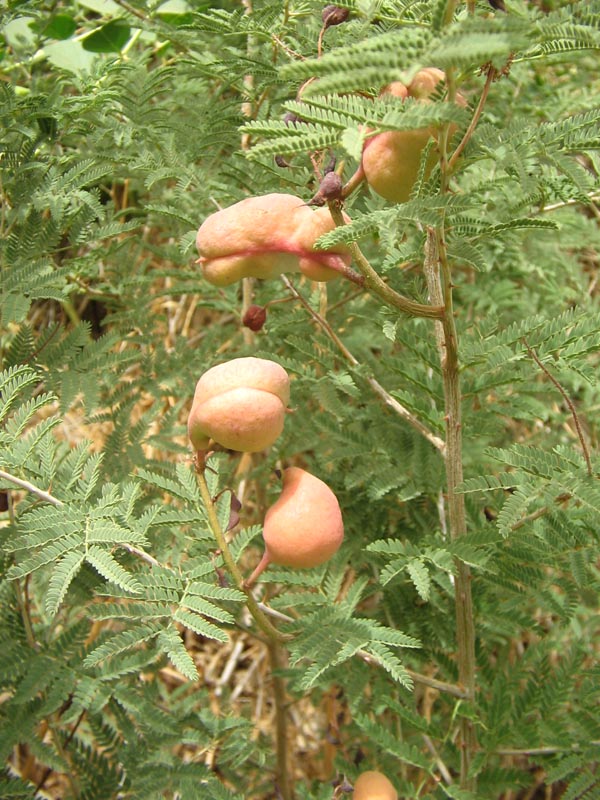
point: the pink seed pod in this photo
(372, 785)
(304, 527)
(240, 404)
(264, 236)
(391, 160)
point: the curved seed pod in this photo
(372, 785)
(391, 160)
(240, 404)
(304, 527)
(264, 236)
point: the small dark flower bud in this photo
(330, 189)
(235, 508)
(281, 162)
(255, 318)
(334, 15)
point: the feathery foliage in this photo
(129, 664)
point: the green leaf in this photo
(109, 568)
(123, 641)
(61, 579)
(353, 141)
(199, 625)
(419, 575)
(171, 644)
(59, 26)
(110, 38)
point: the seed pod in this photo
(391, 160)
(240, 404)
(304, 527)
(372, 785)
(264, 236)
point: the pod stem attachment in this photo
(258, 570)
(259, 617)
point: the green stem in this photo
(437, 273)
(274, 637)
(263, 623)
(282, 772)
(375, 284)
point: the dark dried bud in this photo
(330, 189)
(281, 162)
(334, 15)
(330, 165)
(235, 508)
(291, 118)
(255, 318)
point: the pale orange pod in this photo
(265, 236)
(373, 785)
(392, 159)
(240, 404)
(304, 527)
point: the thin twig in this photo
(540, 512)
(593, 197)
(568, 401)
(29, 487)
(439, 281)
(283, 771)
(263, 623)
(541, 751)
(473, 124)
(68, 740)
(444, 771)
(132, 10)
(390, 401)
(49, 498)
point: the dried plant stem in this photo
(437, 274)
(390, 401)
(568, 401)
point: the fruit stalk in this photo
(274, 639)
(282, 771)
(437, 274)
(376, 285)
(261, 620)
